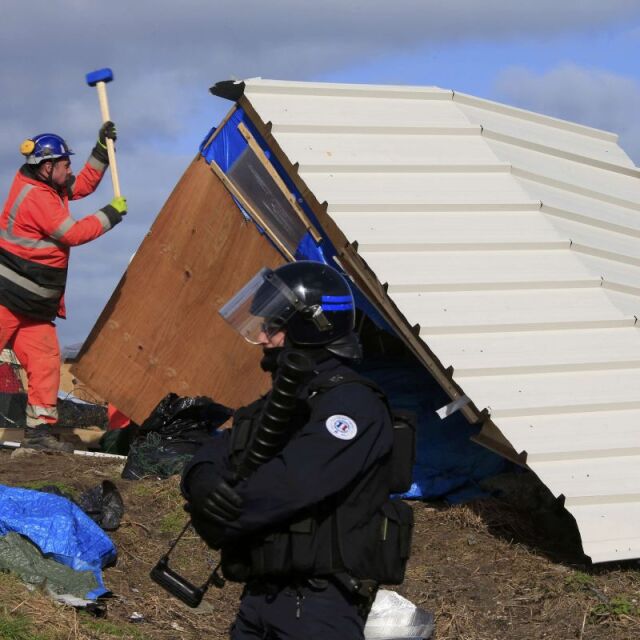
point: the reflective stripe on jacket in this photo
(36, 231)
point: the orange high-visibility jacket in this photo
(36, 231)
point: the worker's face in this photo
(58, 172)
(271, 342)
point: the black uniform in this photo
(311, 516)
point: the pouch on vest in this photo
(393, 542)
(403, 454)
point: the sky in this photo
(572, 59)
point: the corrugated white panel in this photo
(507, 352)
(472, 270)
(512, 239)
(347, 191)
(558, 136)
(378, 231)
(611, 185)
(347, 150)
(575, 435)
(582, 208)
(529, 394)
(501, 311)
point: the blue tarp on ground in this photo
(59, 528)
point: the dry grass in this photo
(485, 570)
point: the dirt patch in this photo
(486, 570)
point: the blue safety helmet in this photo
(45, 146)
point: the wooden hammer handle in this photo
(111, 152)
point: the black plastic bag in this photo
(103, 504)
(172, 434)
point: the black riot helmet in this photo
(310, 300)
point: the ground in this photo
(486, 570)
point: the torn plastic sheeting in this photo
(22, 558)
(59, 528)
(393, 617)
(448, 464)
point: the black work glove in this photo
(107, 130)
(99, 152)
(221, 505)
(210, 532)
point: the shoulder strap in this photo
(331, 379)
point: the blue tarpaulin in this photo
(448, 464)
(59, 528)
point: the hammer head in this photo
(101, 75)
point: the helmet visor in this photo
(261, 308)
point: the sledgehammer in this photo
(99, 79)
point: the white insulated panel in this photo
(565, 392)
(609, 531)
(471, 270)
(376, 231)
(503, 311)
(583, 178)
(571, 436)
(392, 188)
(347, 111)
(544, 131)
(505, 352)
(512, 239)
(343, 150)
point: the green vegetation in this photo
(108, 630)
(579, 581)
(615, 608)
(173, 522)
(18, 627)
(61, 486)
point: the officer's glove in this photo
(210, 532)
(115, 210)
(221, 505)
(107, 131)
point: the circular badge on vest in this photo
(342, 427)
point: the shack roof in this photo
(512, 240)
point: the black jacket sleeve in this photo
(319, 461)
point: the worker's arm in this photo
(51, 218)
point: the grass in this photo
(173, 522)
(105, 629)
(579, 581)
(18, 627)
(617, 607)
(39, 484)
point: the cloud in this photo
(166, 55)
(588, 96)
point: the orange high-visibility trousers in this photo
(35, 343)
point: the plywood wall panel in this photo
(161, 331)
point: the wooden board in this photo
(161, 332)
(81, 437)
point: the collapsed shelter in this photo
(500, 246)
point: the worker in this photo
(36, 233)
(303, 531)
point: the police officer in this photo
(304, 529)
